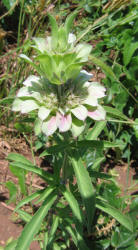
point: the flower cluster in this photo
(63, 94)
(64, 107)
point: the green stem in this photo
(20, 22)
(59, 92)
(64, 171)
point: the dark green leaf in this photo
(85, 187)
(123, 219)
(32, 228)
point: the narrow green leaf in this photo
(97, 144)
(129, 50)
(11, 245)
(21, 178)
(12, 190)
(52, 232)
(46, 192)
(32, 228)
(19, 158)
(120, 217)
(100, 175)
(97, 162)
(85, 187)
(72, 233)
(75, 208)
(115, 113)
(7, 100)
(28, 199)
(76, 237)
(96, 130)
(62, 38)
(54, 30)
(69, 22)
(48, 177)
(108, 70)
(24, 215)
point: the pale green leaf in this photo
(54, 32)
(69, 22)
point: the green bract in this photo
(59, 59)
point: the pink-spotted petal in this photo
(64, 122)
(80, 112)
(50, 126)
(98, 114)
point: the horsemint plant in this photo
(64, 100)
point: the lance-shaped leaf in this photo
(43, 174)
(32, 228)
(54, 29)
(69, 22)
(85, 187)
(28, 199)
(96, 130)
(75, 208)
(123, 219)
(52, 233)
(11, 245)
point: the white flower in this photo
(64, 109)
